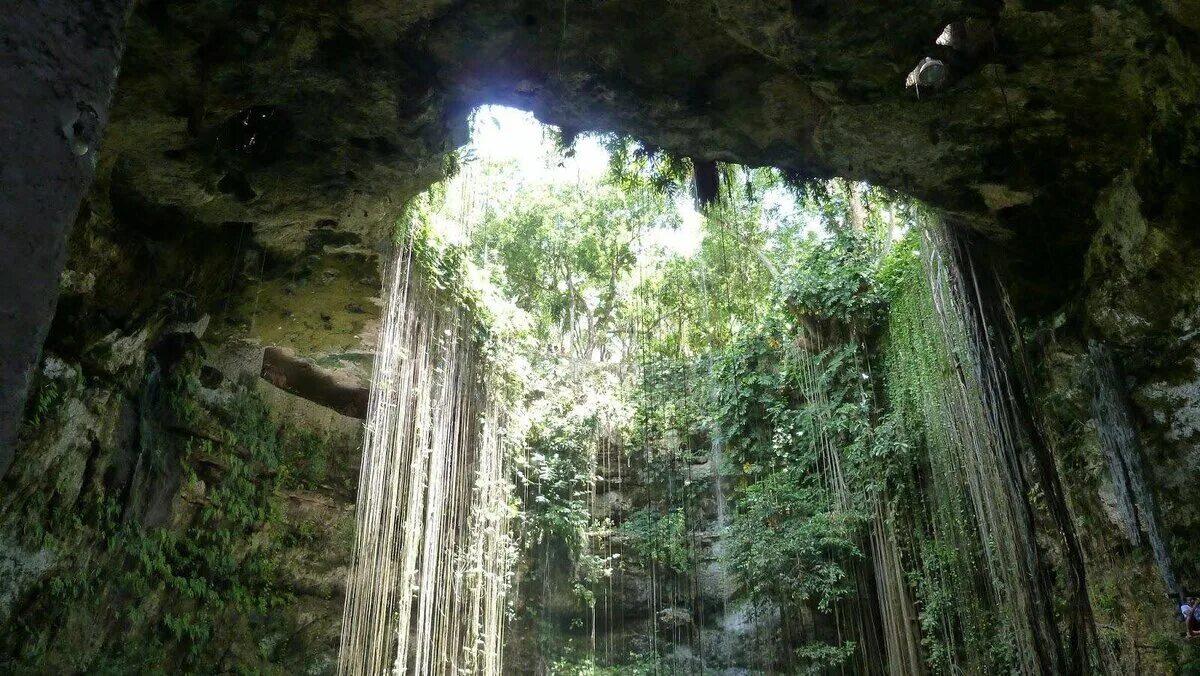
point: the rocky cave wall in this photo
(259, 152)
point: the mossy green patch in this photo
(206, 595)
(322, 305)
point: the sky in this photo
(503, 134)
(500, 134)
(507, 134)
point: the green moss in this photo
(322, 305)
(195, 599)
(306, 461)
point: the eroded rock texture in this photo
(310, 124)
(58, 65)
(259, 152)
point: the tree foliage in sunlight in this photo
(788, 546)
(563, 254)
(836, 279)
(636, 167)
(686, 305)
(748, 354)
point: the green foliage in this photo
(801, 347)
(179, 389)
(818, 658)
(564, 255)
(659, 539)
(636, 664)
(51, 392)
(555, 480)
(781, 406)
(842, 205)
(921, 353)
(636, 166)
(568, 651)
(684, 306)
(836, 278)
(306, 461)
(670, 414)
(164, 598)
(48, 397)
(440, 265)
(208, 568)
(788, 544)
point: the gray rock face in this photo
(20, 568)
(58, 65)
(296, 124)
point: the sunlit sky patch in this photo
(501, 135)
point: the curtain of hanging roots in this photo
(427, 584)
(976, 500)
(856, 621)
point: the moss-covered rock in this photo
(203, 521)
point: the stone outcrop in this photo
(58, 65)
(296, 130)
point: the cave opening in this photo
(678, 416)
(804, 424)
(614, 283)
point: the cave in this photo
(212, 186)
